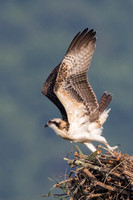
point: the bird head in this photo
(59, 126)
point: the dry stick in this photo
(90, 175)
(128, 173)
(85, 164)
(62, 182)
(113, 170)
(79, 162)
(124, 187)
(88, 165)
(97, 195)
(76, 190)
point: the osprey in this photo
(68, 88)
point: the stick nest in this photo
(97, 176)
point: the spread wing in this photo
(67, 86)
(72, 82)
(48, 91)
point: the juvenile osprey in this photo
(68, 88)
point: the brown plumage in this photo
(69, 89)
(74, 77)
(48, 91)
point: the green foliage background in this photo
(34, 36)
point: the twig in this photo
(96, 182)
(98, 176)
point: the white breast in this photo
(82, 130)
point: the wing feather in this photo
(72, 75)
(48, 91)
(68, 87)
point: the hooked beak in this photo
(46, 125)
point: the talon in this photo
(113, 148)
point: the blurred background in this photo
(34, 36)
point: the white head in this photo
(59, 126)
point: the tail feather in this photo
(104, 101)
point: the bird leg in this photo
(90, 146)
(101, 139)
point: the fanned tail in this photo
(104, 101)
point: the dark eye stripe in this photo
(56, 123)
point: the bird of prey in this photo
(69, 89)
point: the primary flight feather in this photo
(69, 89)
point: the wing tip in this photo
(87, 36)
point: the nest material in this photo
(98, 177)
